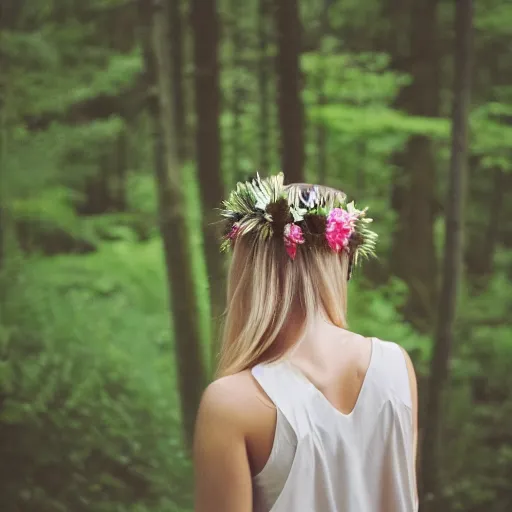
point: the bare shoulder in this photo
(407, 357)
(228, 397)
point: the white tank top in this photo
(325, 461)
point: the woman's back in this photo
(327, 458)
(306, 416)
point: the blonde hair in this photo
(266, 289)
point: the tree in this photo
(488, 176)
(482, 247)
(204, 21)
(172, 211)
(3, 209)
(291, 110)
(321, 130)
(238, 90)
(120, 168)
(263, 86)
(2, 224)
(176, 43)
(452, 266)
(414, 192)
(8, 18)
(397, 42)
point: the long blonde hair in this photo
(265, 288)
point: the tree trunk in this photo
(291, 110)
(172, 210)
(98, 199)
(413, 254)
(106, 190)
(484, 236)
(480, 254)
(2, 235)
(397, 41)
(176, 43)
(452, 266)
(2, 225)
(321, 146)
(321, 131)
(3, 208)
(236, 10)
(263, 86)
(205, 29)
(120, 166)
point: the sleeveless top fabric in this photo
(325, 461)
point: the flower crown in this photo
(298, 214)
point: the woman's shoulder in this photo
(232, 396)
(229, 391)
(392, 346)
(399, 369)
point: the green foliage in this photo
(372, 312)
(370, 121)
(493, 18)
(479, 403)
(363, 79)
(88, 400)
(492, 135)
(61, 115)
(88, 413)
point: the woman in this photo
(306, 416)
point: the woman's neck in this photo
(318, 339)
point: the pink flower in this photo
(339, 228)
(234, 231)
(292, 237)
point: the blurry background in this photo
(125, 122)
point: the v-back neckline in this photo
(321, 395)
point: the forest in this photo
(124, 123)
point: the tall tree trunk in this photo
(3, 198)
(321, 144)
(2, 234)
(492, 232)
(98, 199)
(176, 43)
(2, 215)
(10, 15)
(120, 167)
(263, 86)
(237, 40)
(291, 109)
(480, 253)
(414, 256)
(452, 254)
(321, 131)
(172, 210)
(397, 41)
(204, 20)
(483, 238)
(106, 190)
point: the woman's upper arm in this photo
(222, 474)
(413, 386)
